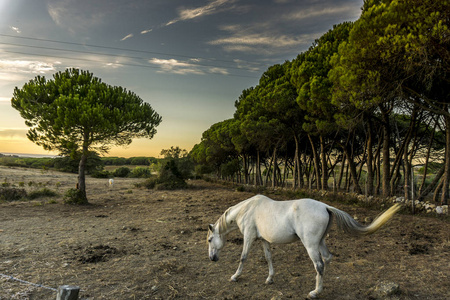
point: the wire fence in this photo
(27, 282)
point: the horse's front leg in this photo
(268, 255)
(245, 250)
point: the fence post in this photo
(67, 292)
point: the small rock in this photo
(400, 199)
(384, 290)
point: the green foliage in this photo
(101, 174)
(76, 114)
(76, 109)
(230, 168)
(141, 172)
(12, 194)
(169, 178)
(27, 162)
(433, 168)
(74, 196)
(174, 153)
(202, 170)
(44, 192)
(94, 163)
(115, 161)
(121, 172)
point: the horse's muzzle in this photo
(214, 258)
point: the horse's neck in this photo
(230, 219)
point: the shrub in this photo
(140, 172)
(170, 178)
(44, 192)
(121, 172)
(12, 194)
(149, 183)
(74, 196)
(101, 174)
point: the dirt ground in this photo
(136, 243)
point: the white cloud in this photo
(16, 29)
(24, 66)
(127, 37)
(13, 134)
(258, 42)
(349, 12)
(213, 7)
(217, 70)
(176, 67)
(77, 14)
(146, 31)
(186, 67)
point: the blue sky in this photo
(189, 59)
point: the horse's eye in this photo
(209, 240)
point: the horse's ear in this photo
(211, 227)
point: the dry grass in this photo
(135, 243)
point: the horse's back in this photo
(286, 221)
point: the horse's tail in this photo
(350, 225)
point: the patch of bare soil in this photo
(135, 243)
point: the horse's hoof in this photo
(312, 295)
(233, 279)
(269, 281)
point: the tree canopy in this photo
(77, 114)
(364, 103)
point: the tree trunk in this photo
(341, 172)
(297, 172)
(275, 166)
(427, 159)
(82, 179)
(324, 165)
(316, 162)
(369, 160)
(353, 173)
(446, 178)
(386, 154)
(407, 174)
(258, 178)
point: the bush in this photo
(74, 196)
(170, 178)
(12, 194)
(149, 183)
(44, 192)
(121, 172)
(101, 174)
(140, 172)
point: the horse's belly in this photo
(275, 236)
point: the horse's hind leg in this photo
(268, 255)
(316, 258)
(325, 253)
(246, 248)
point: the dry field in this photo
(135, 243)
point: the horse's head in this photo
(216, 242)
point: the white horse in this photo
(282, 222)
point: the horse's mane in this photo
(222, 221)
(244, 207)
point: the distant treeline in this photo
(67, 164)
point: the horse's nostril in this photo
(214, 258)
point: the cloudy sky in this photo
(190, 59)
